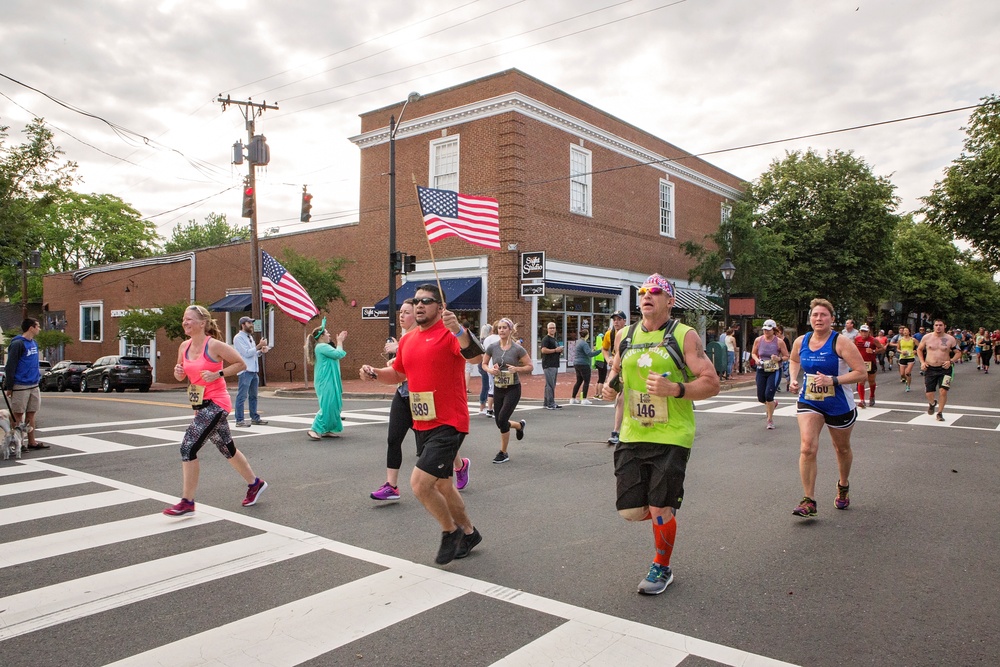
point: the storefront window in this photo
(572, 314)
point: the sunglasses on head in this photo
(426, 300)
(651, 290)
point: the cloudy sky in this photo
(705, 75)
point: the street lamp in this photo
(728, 271)
(393, 269)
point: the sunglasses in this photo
(426, 300)
(651, 290)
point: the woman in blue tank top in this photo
(823, 400)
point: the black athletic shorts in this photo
(437, 449)
(845, 420)
(650, 474)
(938, 377)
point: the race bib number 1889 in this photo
(422, 406)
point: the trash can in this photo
(717, 352)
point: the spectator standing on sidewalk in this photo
(21, 376)
(551, 352)
(327, 381)
(247, 380)
(581, 364)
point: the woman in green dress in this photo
(329, 389)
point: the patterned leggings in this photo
(209, 423)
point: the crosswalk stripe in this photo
(51, 508)
(50, 605)
(86, 443)
(731, 408)
(574, 643)
(89, 537)
(306, 628)
(15, 470)
(38, 485)
(173, 435)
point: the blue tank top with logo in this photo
(825, 360)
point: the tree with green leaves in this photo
(78, 230)
(50, 339)
(928, 268)
(216, 230)
(30, 175)
(321, 279)
(141, 325)
(967, 201)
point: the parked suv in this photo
(118, 373)
(64, 375)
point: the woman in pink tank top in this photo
(205, 362)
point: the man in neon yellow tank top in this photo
(658, 426)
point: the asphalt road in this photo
(319, 574)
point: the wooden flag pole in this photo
(427, 236)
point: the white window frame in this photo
(99, 305)
(444, 180)
(668, 205)
(725, 213)
(580, 190)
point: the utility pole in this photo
(250, 111)
(258, 155)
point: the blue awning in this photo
(558, 286)
(460, 293)
(232, 303)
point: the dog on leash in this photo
(13, 436)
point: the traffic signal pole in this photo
(250, 111)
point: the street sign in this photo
(533, 265)
(373, 313)
(532, 289)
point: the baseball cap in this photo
(618, 313)
(769, 324)
(244, 320)
(864, 327)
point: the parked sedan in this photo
(118, 373)
(64, 375)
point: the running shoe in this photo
(573, 401)
(462, 475)
(861, 404)
(258, 421)
(550, 407)
(185, 506)
(520, 432)
(254, 490)
(385, 492)
(940, 417)
(613, 440)
(243, 423)
(907, 388)
(469, 542)
(806, 508)
(483, 413)
(586, 401)
(489, 413)
(557, 407)
(450, 543)
(902, 379)
(770, 425)
(657, 580)
(930, 407)
(871, 402)
(842, 501)
(501, 457)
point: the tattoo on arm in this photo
(699, 350)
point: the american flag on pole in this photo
(277, 286)
(447, 213)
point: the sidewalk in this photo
(532, 387)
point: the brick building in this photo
(606, 202)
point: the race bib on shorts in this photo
(870, 366)
(815, 392)
(946, 381)
(647, 409)
(196, 394)
(422, 406)
(503, 379)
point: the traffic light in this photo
(396, 262)
(306, 207)
(409, 263)
(247, 202)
